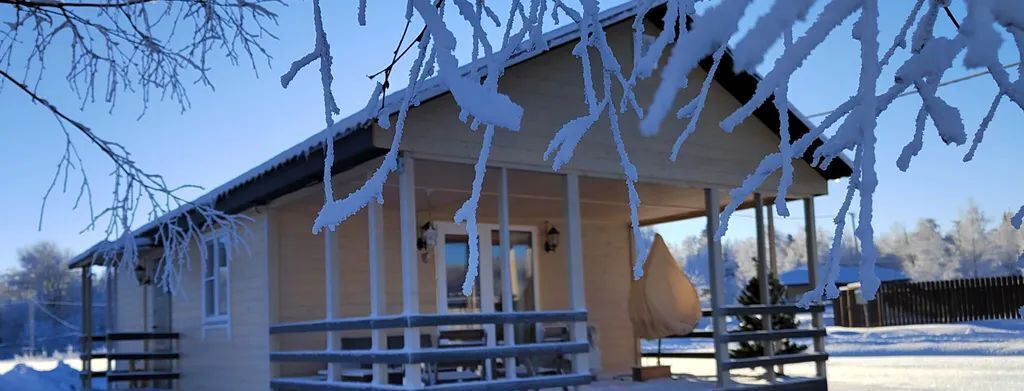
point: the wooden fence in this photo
(906, 303)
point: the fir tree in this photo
(752, 295)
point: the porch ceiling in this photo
(442, 188)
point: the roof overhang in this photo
(302, 164)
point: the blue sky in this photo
(247, 119)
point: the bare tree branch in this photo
(146, 47)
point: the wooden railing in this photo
(428, 357)
(145, 368)
(907, 303)
(816, 334)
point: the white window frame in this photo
(218, 319)
(484, 230)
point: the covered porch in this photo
(378, 303)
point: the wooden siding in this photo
(550, 90)
(221, 356)
(130, 311)
(281, 278)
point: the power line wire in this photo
(952, 18)
(945, 83)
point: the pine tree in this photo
(752, 295)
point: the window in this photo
(216, 287)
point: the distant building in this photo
(796, 284)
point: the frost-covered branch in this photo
(151, 48)
(687, 38)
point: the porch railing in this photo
(425, 357)
(148, 367)
(817, 334)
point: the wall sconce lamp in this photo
(141, 275)
(551, 238)
(428, 236)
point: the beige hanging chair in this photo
(664, 302)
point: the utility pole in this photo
(31, 326)
(856, 243)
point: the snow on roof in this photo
(429, 89)
(847, 274)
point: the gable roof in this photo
(302, 164)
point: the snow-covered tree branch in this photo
(690, 34)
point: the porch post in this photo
(86, 328)
(774, 264)
(330, 265)
(109, 310)
(487, 299)
(716, 270)
(375, 224)
(506, 266)
(574, 228)
(811, 233)
(410, 262)
(111, 277)
(762, 281)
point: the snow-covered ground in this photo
(24, 378)
(989, 338)
(984, 355)
(57, 372)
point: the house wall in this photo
(301, 281)
(130, 314)
(300, 277)
(607, 274)
(281, 276)
(550, 90)
(236, 354)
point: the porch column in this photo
(774, 268)
(716, 270)
(811, 233)
(109, 276)
(375, 224)
(487, 300)
(86, 328)
(506, 266)
(330, 267)
(574, 234)
(410, 262)
(762, 281)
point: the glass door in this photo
(523, 275)
(452, 270)
(452, 255)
